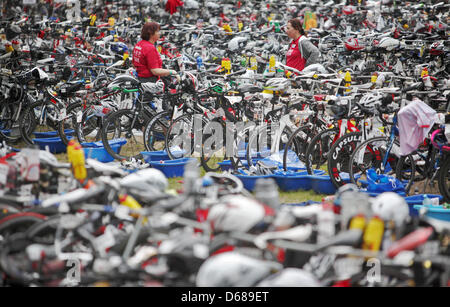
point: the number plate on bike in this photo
(79, 116)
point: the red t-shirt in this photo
(145, 58)
(294, 57)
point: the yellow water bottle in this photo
(240, 25)
(76, 158)
(272, 62)
(226, 64)
(348, 80)
(130, 202)
(111, 21)
(93, 19)
(357, 222)
(374, 78)
(227, 28)
(253, 63)
(373, 236)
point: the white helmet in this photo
(237, 43)
(290, 277)
(277, 84)
(318, 68)
(234, 270)
(146, 180)
(390, 206)
(191, 4)
(153, 87)
(236, 213)
(371, 99)
(389, 43)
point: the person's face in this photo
(291, 32)
(155, 37)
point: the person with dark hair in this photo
(146, 59)
(301, 51)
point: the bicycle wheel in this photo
(317, 151)
(339, 157)
(180, 137)
(298, 143)
(220, 143)
(371, 154)
(18, 222)
(261, 144)
(89, 126)
(124, 125)
(67, 125)
(444, 179)
(39, 120)
(155, 131)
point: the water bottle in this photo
(325, 223)
(191, 174)
(199, 63)
(426, 201)
(266, 192)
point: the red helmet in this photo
(349, 9)
(352, 44)
(437, 48)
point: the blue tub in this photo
(172, 168)
(436, 212)
(226, 165)
(95, 150)
(322, 184)
(249, 181)
(159, 155)
(50, 134)
(55, 144)
(418, 200)
(289, 181)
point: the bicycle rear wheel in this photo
(370, 154)
(128, 126)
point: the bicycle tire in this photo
(443, 179)
(377, 154)
(320, 158)
(339, 156)
(133, 148)
(17, 220)
(301, 139)
(156, 130)
(69, 122)
(182, 125)
(28, 123)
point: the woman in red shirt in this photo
(301, 51)
(146, 58)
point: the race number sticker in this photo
(3, 173)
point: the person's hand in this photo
(176, 75)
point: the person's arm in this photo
(310, 52)
(153, 58)
(161, 72)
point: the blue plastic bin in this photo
(436, 212)
(172, 168)
(290, 181)
(322, 184)
(95, 150)
(158, 155)
(55, 144)
(418, 200)
(249, 181)
(50, 134)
